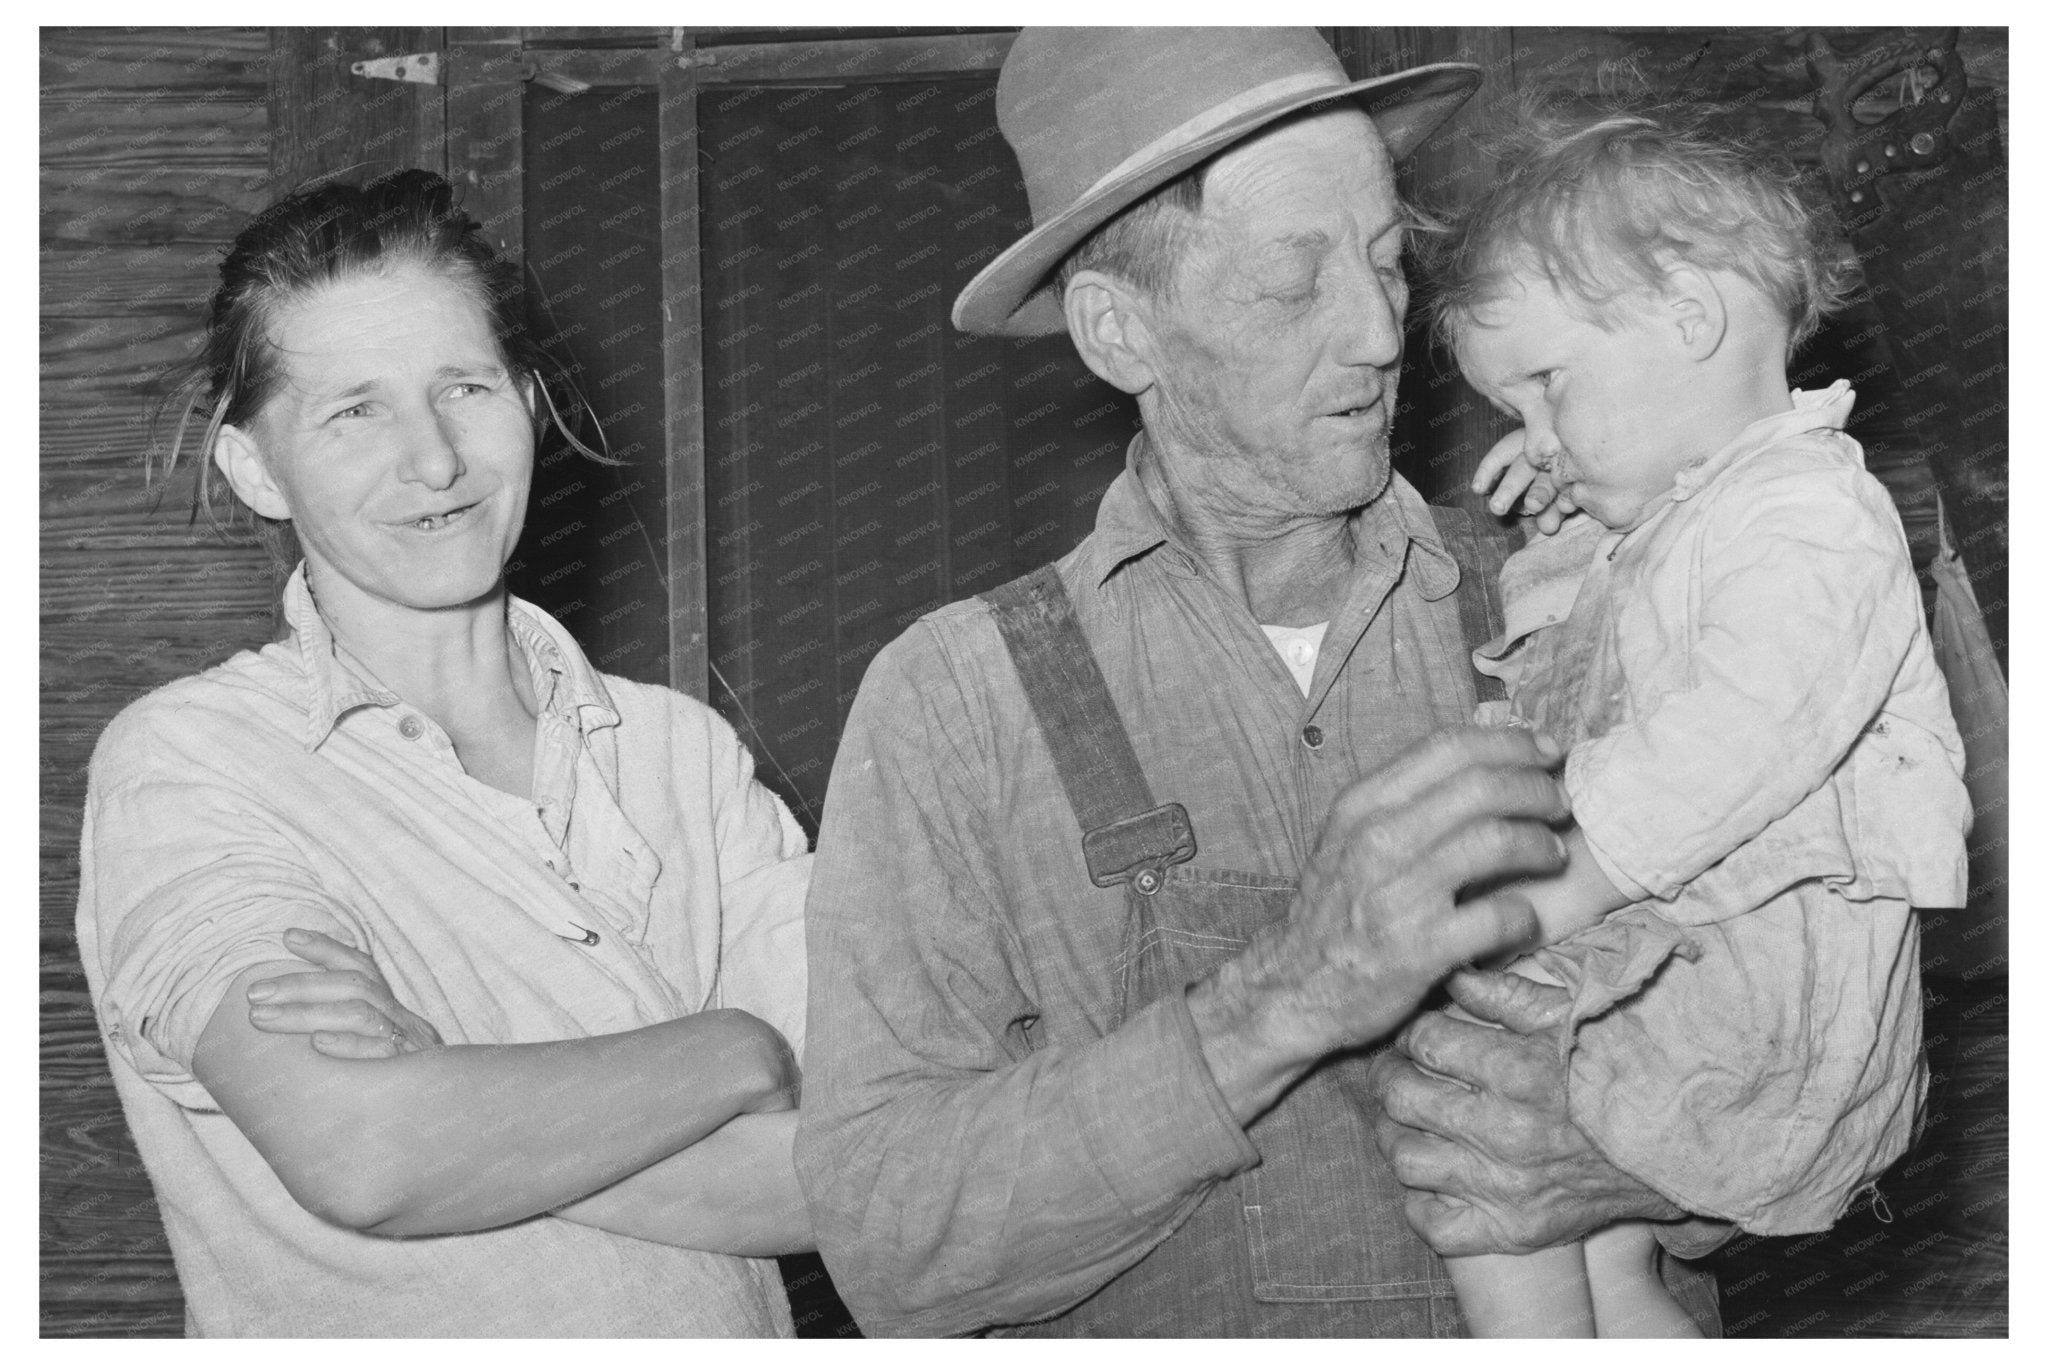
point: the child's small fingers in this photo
(1501, 457)
(1515, 482)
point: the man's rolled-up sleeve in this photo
(960, 1175)
(187, 884)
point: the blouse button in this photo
(1312, 735)
(412, 727)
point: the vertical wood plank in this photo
(682, 345)
(485, 150)
(326, 120)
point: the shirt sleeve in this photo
(764, 872)
(188, 883)
(1794, 643)
(962, 1173)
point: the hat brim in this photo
(1008, 297)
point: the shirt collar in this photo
(1823, 410)
(564, 683)
(334, 688)
(1129, 525)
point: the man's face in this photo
(1278, 348)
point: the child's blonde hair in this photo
(1604, 204)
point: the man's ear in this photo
(1693, 303)
(236, 456)
(1109, 329)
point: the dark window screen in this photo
(595, 548)
(866, 462)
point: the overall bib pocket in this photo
(1318, 1164)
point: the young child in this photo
(1729, 644)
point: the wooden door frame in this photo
(328, 119)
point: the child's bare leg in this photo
(1544, 1294)
(1629, 1300)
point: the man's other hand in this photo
(1377, 921)
(1473, 1121)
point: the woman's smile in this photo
(400, 445)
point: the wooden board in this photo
(154, 150)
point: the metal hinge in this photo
(695, 57)
(420, 68)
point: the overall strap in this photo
(1480, 556)
(1126, 835)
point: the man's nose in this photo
(1369, 319)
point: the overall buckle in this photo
(1140, 849)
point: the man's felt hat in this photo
(1101, 117)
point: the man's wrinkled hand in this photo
(1473, 1121)
(346, 1007)
(1378, 920)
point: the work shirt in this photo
(648, 877)
(978, 1144)
(1762, 757)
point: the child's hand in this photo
(1521, 486)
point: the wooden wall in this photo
(155, 149)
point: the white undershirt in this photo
(1298, 646)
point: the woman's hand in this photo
(346, 1006)
(1518, 486)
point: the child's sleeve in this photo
(1806, 607)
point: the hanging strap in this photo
(1480, 557)
(1126, 835)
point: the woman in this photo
(572, 877)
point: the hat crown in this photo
(1101, 117)
(1077, 103)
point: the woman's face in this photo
(397, 442)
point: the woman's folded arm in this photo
(734, 1192)
(457, 1139)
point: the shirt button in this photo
(1312, 735)
(1302, 653)
(412, 727)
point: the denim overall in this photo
(1312, 1241)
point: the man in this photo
(1123, 864)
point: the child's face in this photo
(1598, 405)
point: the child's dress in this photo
(1761, 754)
